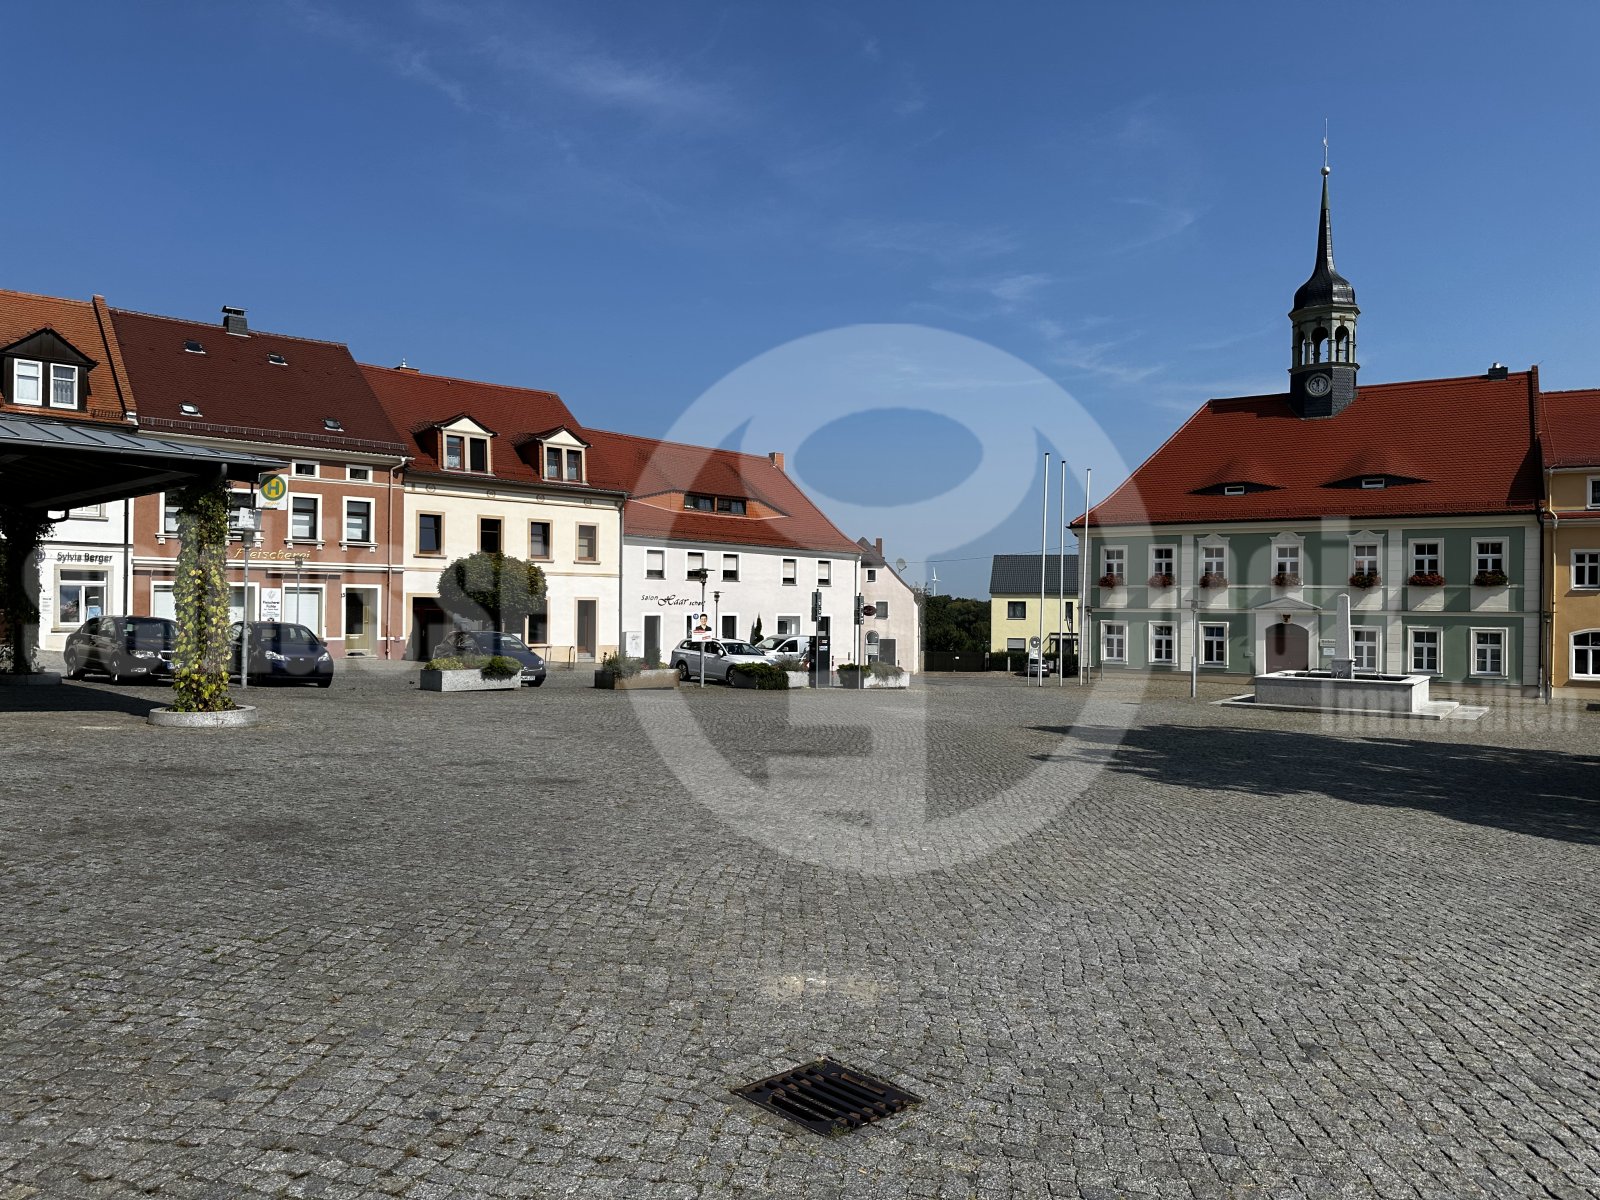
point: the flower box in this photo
(1365, 580)
(1286, 580)
(1161, 580)
(1212, 580)
(467, 679)
(662, 678)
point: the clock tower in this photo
(1322, 372)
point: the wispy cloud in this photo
(1237, 339)
(406, 60)
(1066, 348)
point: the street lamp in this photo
(716, 621)
(701, 575)
(1194, 644)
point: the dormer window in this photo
(726, 504)
(1233, 489)
(562, 464)
(462, 452)
(26, 385)
(63, 386)
(1373, 482)
(694, 502)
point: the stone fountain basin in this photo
(1365, 692)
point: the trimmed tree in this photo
(201, 595)
(22, 530)
(755, 632)
(492, 587)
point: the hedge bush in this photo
(768, 677)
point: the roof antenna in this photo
(1324, 147)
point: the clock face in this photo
(1318, 385)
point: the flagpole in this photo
(1083, 584)
(1061, 583)
(1044, 540)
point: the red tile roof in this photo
(416, 403)
(1469, 441)
(85, 324)
(647, 467)
(1569, 428)
(243, 396)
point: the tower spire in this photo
(1322, 371)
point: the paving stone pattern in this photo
(400, 944)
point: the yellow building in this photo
(1569, 441)
(1014, 614)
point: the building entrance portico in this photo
(1286, 633)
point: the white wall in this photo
(758, 592)
(902, 624)
(84, 559)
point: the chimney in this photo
(777, 458)
(877, 544)
(233, 321)
(1497, 371)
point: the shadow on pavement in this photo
(1543, 793)
(135, 699)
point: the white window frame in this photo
(725, 618)
(1437, 556)
(655, 564)
(1285, 551)
(54, 367)
(1592, 568)
(38, 382)
(1438, 650)
(1594, 491)
(162, 532)
(1594, 654)
(1478, 555)
(727, 578)
(1118, 554)
(1505, 642)
(1206, 639)
(694, 560)
(1022, 604)
(372, 523)
(358, 474)
(1234, 489)
(1366, 635)
(790, 572)
(1016, 645)
(1106, 636)
(824, 572)
(1171, 554)
(1365, 564)
(297, 471)
(316, 521)
(439, 553)
(320, 628)
(1207, 549)
(101, 578)
(574, 459)
(549, 541)
(1171, 637)
(788, 625)
(89, 512)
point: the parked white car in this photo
(788, 645)
(720, 655)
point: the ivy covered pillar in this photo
(201, 595)
(22, 531)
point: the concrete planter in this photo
(642, 681)
(469, 679)
(860, 680)
(37, 679)
(799, 679)
(233, 718)
(1364, 693)
(1491, 599)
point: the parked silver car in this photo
(721, 656)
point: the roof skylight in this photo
(189, 410)
(193, 347)
(277, 360)
(332, 423)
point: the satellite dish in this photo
(899, 564)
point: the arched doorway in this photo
(1288, 648)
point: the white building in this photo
(893, 633)
(84, 571)
(766, 548)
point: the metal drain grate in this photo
(828, 1097)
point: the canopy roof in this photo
(55, 464)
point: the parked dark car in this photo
(283, 651)
(125, 648)
(487, 641)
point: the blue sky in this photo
(628, 202)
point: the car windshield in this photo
(151, 633)
(274, 636)
(498, 642)
(738, 648)
(770, 643)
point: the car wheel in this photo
(539, 682)
(74, 667)
(683, 670)
(328, 682)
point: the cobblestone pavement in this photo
(496, 944)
